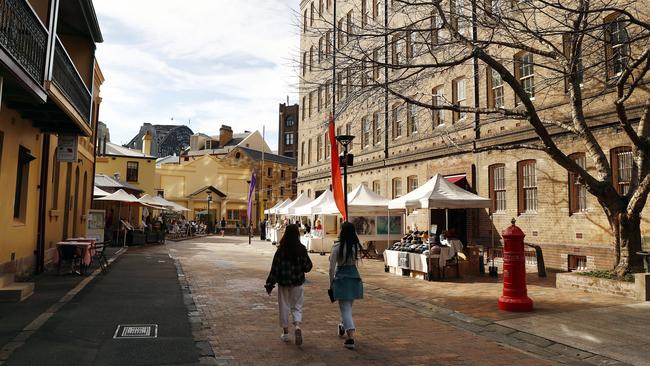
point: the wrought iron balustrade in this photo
(23, 37)
(66, 77)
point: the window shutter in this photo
(491, 193)
(614, 164)
(517, 63)
(609, 51)
(489, 85)
(521, 207)
(454, 98)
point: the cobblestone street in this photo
(397, 324)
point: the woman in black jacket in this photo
(290, 263)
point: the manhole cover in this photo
(136, 331)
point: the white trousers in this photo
(346, 314)
(290, 299)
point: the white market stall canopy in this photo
(274, 209)
(119, 196)
(439, 193)
(361, 201)
(98, 192)
(159, 201)
(318, 206)
(287, 209)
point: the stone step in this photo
(6, 279)
(16, 292)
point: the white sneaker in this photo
(284, 337)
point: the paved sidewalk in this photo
(402, 321)
(139, 289)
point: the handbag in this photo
(330, 293)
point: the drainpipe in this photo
(42, 205)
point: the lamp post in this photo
(209, 219)
(346, 160)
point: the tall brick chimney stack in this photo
(225, 135)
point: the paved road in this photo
(139, 289)
(240, 320)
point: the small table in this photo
(84, 248)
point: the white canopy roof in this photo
(326, 199)
(159, 201)
(439, 193)
(148, 200)
(119, 196)
(276, 210)
(287, 209)
(360, 201)
(98, 192)
(271, 210)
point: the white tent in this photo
(315, 207)
(439, 193)
(287, 209)
(98, 192)
(119, 196)
(276, 210)
(270, 211)
(361, 201)
(159, 201)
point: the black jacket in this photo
(288, 271)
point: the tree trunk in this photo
(628, 239)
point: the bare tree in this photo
(587, 56)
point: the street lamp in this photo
(346, 159)
(209, 220)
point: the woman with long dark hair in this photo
(345, 280)
(290, 263)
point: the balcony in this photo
(23, 38)
(67, 80)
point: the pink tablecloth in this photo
(85, 249)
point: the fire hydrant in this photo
(515, 295)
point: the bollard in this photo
(515, 295)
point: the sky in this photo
(203, 63)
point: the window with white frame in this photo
(365, 135)
(527, 184)
(411, 183)
(397, 187)
(617, 47)
(376, 187)
(525, 72)
(413, 119)
(498, 96)
(288, 138)
(497, 177)
(459, 98)
(377, 123)
(438, 100)
(398, 121)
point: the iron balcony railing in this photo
(23, 37)
(66, 77)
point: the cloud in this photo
(205, 61)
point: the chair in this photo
(100, 256)
(369, 250)
(69, 253)
(453, 262)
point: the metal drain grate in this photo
(136, 331)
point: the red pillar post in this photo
(515, 295)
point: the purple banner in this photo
(251, 190)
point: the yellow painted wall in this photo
(18, 237)
(110, 165)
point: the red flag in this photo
(337, 184)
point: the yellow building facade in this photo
(48, 99)
(227, 178)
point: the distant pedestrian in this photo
(223, 226)
(345, 280)
(290, 263)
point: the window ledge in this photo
(18, 223)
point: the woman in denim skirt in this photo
(345, 280)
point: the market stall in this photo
(426, 253)
(271, 230)
(369, 213)
(324, 216)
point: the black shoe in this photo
(349, 344)
(298, 334)
(341, 330)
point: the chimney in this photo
(225, 135)
(146, 143)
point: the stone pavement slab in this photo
(619, 332)
(139, 289)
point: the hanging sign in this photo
(67, 149)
